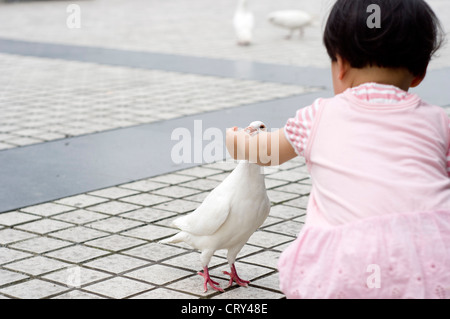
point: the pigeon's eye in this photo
(262, 126)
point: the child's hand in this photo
(267, 149)
(236, 141)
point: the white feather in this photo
(229, 215)
(291, 19)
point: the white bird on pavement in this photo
(228, 216)
(243, 22)
(292, 20)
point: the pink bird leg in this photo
(234, 276)
(208, 280)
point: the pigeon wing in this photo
(208, 217)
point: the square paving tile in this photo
(145, 199)
(81, 201)
(272, 281)
(33, 289)
(47, 209)
(150, 232)
(76, 276)
(114, 192)
(300, 219)
(9, 235)
(301, 202)
(270, 221)
(291, 228)
(119, 287)
(178, 206)
(286, 212)
(246, 250)
(80, 216)
(279, 197)
(114, 224)
(266, 258)
(40, 245)
(148, 214)
(191, 261)
(143, 186)
(154, 251)
(266, 239)
(113, 207)
(36, 265)
(194, 285)
(282, 247)
(272, 183)
(79, 234)
(199, 171)
(4, 146)
(175, 191)
(245, 271)
(159, 274)
(115, 242)
(199, 198)
(227, 165)
(77, 294)
(7, 277)
(77, 253)
(296, 188)
(116, 263)
(163, 293)
(15, 218)
(219, 177)
(202, 184)
(172, 179)
(44, 226)
(291, 175)
(8, 255)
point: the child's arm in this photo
(265, 149)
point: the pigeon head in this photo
(255, 127)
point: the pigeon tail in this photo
(180, 237)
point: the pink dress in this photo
(378, 217)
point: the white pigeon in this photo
(292, 20)
(243, 22)
(228, 216)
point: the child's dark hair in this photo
(408, 35)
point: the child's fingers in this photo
(232, 129)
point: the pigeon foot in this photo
(234, 277)
(214, 285)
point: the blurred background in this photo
(192, 27)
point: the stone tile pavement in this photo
(104, 244)
(47, 99)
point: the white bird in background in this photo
(292, 20)
(244, 23)
(228, 216)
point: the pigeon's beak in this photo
(255, 127)
(251, 130)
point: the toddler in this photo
(378, 217)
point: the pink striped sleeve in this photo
(298, 128)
